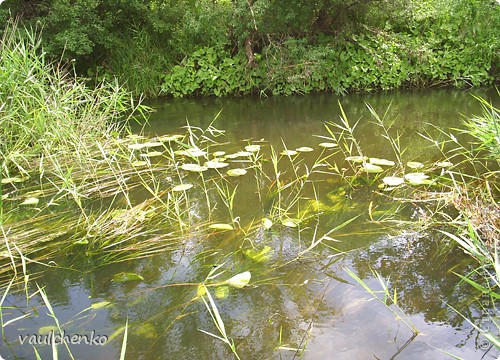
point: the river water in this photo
(300, 301)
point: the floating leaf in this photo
(30, 201)
(151, 154)
(327, 145)
(382, 162)
(219, 153)
(81, 242)
(221, 292)
(304, 149)
(236, 172)
(201, 290)
(124, 277)
(152, 144)
(356, 159)
(193, 167)
(444, 164)
(414, 165)
(240, 280)
(182, 187)
(239, 154)
(44, 330)
(289, 152)
(221, 226)
(414, 175)
(252, 148)
(139, 163)
(215, 164)
(100, 305)
(371, 169)
(10, 180)
(393, 180)
(267, 223)
(168, 138)
(419, 181)
(136, 146)
(289, 223)
(195, 152)
(146, 330)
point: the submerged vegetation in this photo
(80, 192)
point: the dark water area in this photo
(299, 303)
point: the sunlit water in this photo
(298, 304)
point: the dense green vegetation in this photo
(220, 47)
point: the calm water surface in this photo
(295, 306)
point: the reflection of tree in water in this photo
(420, 266)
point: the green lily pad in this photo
(139, 163)
(193, 167)
(267, 223)
(44, 330)
(252, 148)
(393, 180)
(151, 154)
(239, 154)
(168, 138)
(304, 149)
(289, 223)
(416, 175)
(152, 144)
(414, 165)
(288, 152)
(371, 169)
(124, 277)
(444, 164)
(219, 153)
(221, 226)
(30, 201)
(236, 172)
(327, 145)
(136, 146)
(381, 162)
(182, 187)
(356, 159)
(215, 164)
(147, 331)
(240, 280)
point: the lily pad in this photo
(215, 164)
(239, 154)
(327, 145)
(267, 223)
(393, 180)
(356, 159)
(44, 330)
(444, 164)
(252, 148)
(416, 175)
(136, 146)
(414, 165)
(168, 138)
(221, 226)
(304, 149)
(381, 162)
(193, 167)
(236, 172)
(152, 144)
(151, 154)
(371, 169)
(139, 163)
(195, 152)
(30, 201)
(289, 223)
(219, 153)
(240, 280)
(182, 187)
(289, 152)
(124, 277)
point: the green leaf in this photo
(124, 277)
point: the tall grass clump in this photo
(45, 110)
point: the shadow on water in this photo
(298, 304)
